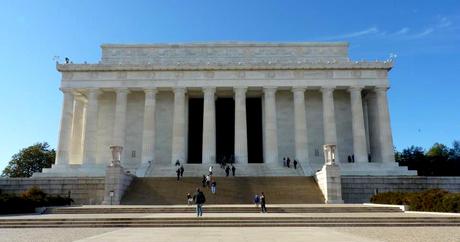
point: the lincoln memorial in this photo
(200, 103)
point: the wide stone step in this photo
(223, 210)
(233, 222)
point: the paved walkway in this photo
(344, 234)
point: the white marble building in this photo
(302, 95)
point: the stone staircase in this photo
(231, 222)
(198, 170)
(228, 216)
(229, 209)
(230, 190)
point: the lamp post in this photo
(111, 195)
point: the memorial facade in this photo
(202, 103)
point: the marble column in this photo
(241, 137)
(76, 150)
(178, 139)
(148, 134)
(90, 139)
(65, 130)
(358, 127)
(271, 138)
(385, 137)
(120, 117)
(209, 126)
(329, 127)
(300, 125)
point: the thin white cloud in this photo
(423, 33)
(402, 31)
(444, 23)
(368, 31)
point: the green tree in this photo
(454, 153)
(29, 160)
(438, 151)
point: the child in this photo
(189, 199)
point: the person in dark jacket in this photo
(233, 170)
(263, 203)
(182, 171)
(203, 181)
(295, 164)
(178, 173)
(227, 171)
(288, 162)
(199, 199)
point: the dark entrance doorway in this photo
(195, 130)
(254, 129)
(225, 128)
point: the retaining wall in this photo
(83, 190)
(359, 189)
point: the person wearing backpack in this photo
(200, 199)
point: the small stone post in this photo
(329, 178)
(116, 179)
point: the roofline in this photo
(229, 44)
(143, 67)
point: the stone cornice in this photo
(285, 66)
(228, 44)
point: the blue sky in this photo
(424, 97)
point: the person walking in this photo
(182, 171)
(227, 171)
(284, 161)
(233, 170)
(288, 162)
(208, 180)
(263, 203)
(295, 164)
(189, 198)
(178, 173)
(257, 200)
(210, 170)
(213, 186)
(199, 199)
(203, 181)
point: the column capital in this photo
(150, 91)
(298, 89)
(242, 89)
(122, 91)
(270, 90)
(209, 90)
(93, 92)
(381, 88)
(179, 90)
(326, 89)
(66, 90)
(355, 88)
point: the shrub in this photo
(433, 200)
(29, 200)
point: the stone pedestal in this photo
(329, 181)
(116, 183)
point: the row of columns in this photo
(79, 114)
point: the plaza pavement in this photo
(234, 234)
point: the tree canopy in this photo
(439, 160)
(29, 160)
